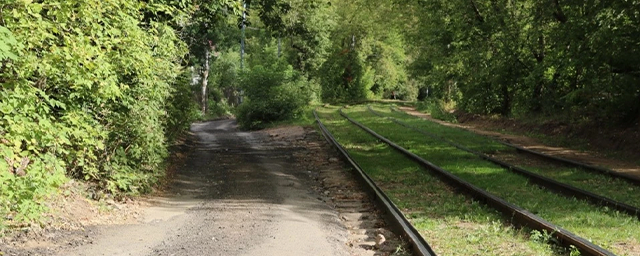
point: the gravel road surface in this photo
(238, 193)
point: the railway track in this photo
(357, 210)
(568, 162)
(553, 185)
(519, 216)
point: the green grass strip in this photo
(612, 230)
(614, 188)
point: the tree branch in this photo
(477, 12)
(558, 13)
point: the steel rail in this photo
(569, 162)
(394, 215)
(551, 184)
(519, 215)
(592, 168)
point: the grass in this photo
(610, 229)
(450, 222)
(614, 188)
(577, 143)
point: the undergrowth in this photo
(274, 91)
(89, 92)
(438, 109)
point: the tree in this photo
(207, 31)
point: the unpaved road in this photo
(238, 193)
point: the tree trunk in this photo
(477, 12)
(558, 13)
(279, 46)
(353, 42)
(539, 55)
(505, 109)
(205, 80)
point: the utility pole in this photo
(244, 26)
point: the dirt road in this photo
(237, 194)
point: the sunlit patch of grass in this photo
(614, 188)
(598, 224)
(451, 223)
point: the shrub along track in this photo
(533, 177)
(612, 230)
(451, 223)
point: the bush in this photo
(224, 80)
(182, 108)
(346, 77)
(274, 92)
(88, 92)
(437, 109)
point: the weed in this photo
(438, 109)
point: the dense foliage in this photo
(343, 51)
(224, 82)
(572, 60)
(91, 90)
(274, 91)
(576, 58)
(369, 57)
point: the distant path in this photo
(238, 194)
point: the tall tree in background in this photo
(527, 57)
(368, 57)
(207, 31)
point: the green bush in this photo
(346, 77)
(182, 108)
(224, 80)
(273, 91)
(437, 109)
(89, 92)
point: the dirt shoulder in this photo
(489, 128)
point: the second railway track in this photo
(543, 181)
(613, 187)
(634, 179)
